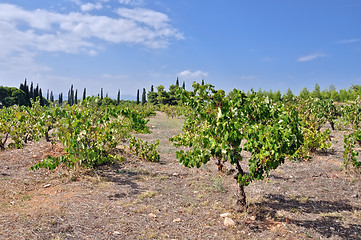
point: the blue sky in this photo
(132, 44)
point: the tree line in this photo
(161, 96)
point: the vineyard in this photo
(214, 166)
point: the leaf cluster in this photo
(144, 150)
(223, 126)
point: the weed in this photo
(147, 194)
(357, 214)
(308, 235)
(295, 210)
(303, 199)
(331, 214)
(163, 177)
(190, 210)
(218, 184)
(142, 208)
(26, 198)
(126, 204)
(200, 196)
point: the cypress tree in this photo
(152, 88)
(184, 85)
(41, 97)
(138, 97)
(60, 98)
(51, 96)
(72, 95)
(76, 97)
(118, 98)
(47, 95)
(101, 93)
(202, 82)
(36, 92)
(69, 98)
(26, 91)
(31, 93)
(144, 98)
(177, 82)
(106, 95)
(84, 94)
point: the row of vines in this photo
(217, 126)
(89, 131)
(221, 126)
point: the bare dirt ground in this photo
(314, 199)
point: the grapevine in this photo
(218, 125)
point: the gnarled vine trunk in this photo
(241, 195)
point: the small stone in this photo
(253, 218)
(225, 215)
(152, 215)
(177, 220)
(47, 185)
(175, 174)
(228, 222)
(116, 233)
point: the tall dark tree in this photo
(106, 95)
(25, 88)
(202, 82)
(42, 103)
(84, 94)
(76, 97)
(144, 97)
(47, 95)
(60, 98)
(184, 85)
(36, 92)
(69, 98)
(138, 97)
(177, 82)
(152, 88)
(118, 98)
(31, 92)
(101, 93)
(72, 95)
(51, 96)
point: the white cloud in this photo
(145, 16)
(25, 34)
(187, 74)
(42, 30)
(131, 2)
(311, 57)
(90, 6)
(355, 40)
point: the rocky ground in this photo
(134, 199)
